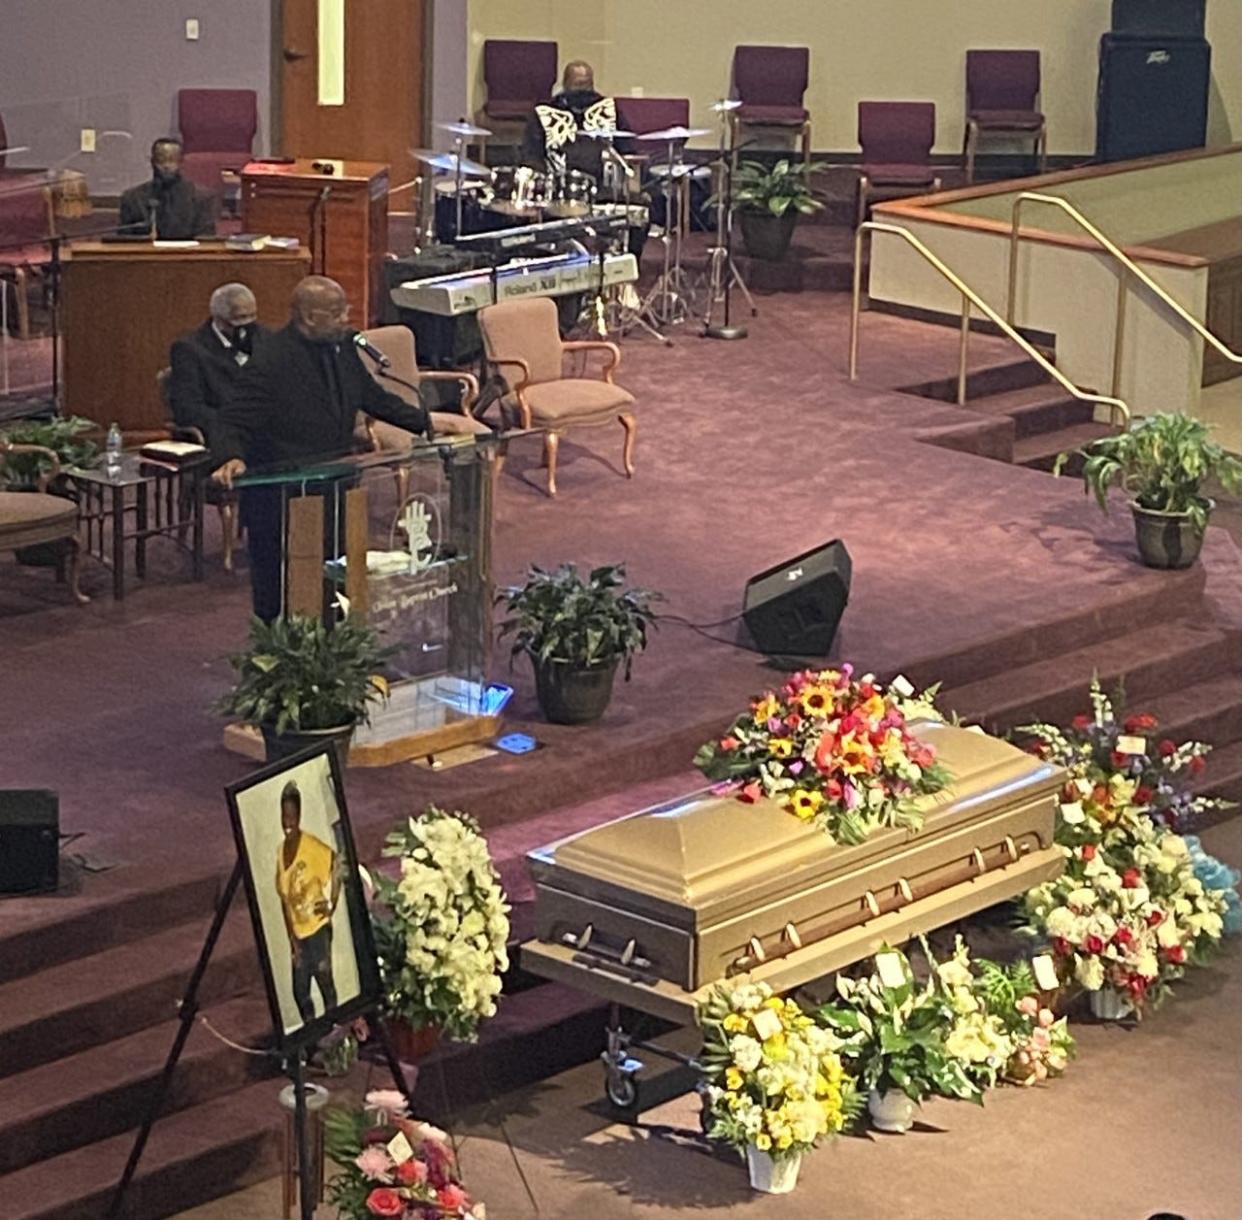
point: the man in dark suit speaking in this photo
(296, 402)
(207, 363)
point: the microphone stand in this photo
(384, 371)
(723, 271)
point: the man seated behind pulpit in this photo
(207, 363)
(179, 210)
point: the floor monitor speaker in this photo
(29, 840)
(796, 606)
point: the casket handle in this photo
(873, 904)
(1011, 849)
(904, 887)
(791, 935)
(977, 856)
(757, 950)
(582, 939)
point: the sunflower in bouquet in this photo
(773, 1077)
(834, 750)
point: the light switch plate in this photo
(191, 28)
(88, 139)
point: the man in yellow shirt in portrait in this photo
(309, 884)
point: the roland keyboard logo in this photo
(793, 574)
(1159, 57)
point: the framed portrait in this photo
(306, 900)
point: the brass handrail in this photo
(969, 298)
(1015, 238)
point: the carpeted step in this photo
(97, 1093)
(1163, 657)
(1036, 410)
(193, 1156)
(108, 995)
(1208, 711)
(116, 907)
(1040, 452)
(1223, 776)
(534, 1035)
(1017, 373)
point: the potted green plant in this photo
(893, 1037)
(302, 682)
(1162, 463)
(769, 202)
(576, 632)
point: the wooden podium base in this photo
(246, 740)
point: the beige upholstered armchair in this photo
(522, 340)
(32, 518)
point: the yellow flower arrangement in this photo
(774, 1078)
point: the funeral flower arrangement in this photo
(833, 750)
(393, 1165)
(441, 925)
(1132, 907)
(895, 1034)
(773, 1077)
(1001, 1029)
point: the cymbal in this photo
(726, 104)
(446, 163)
(697, 172)
(676, 133)
(605, 133)
(464, 129)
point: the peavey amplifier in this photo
(795, 607)
(1152, 96)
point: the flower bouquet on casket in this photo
(834, 750)
(393, 1165)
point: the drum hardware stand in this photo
(722, 270)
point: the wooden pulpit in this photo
(342, 217)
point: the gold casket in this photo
(652, 909)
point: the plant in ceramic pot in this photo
(894, 1037)
(576, 633)
(441, 926)
(769, 201)
(774, 1083)
(1162, 463)
(302, 682)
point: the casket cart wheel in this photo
(621, 1088)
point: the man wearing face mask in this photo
(177, 209)
(207, 363)
(297, 402)
(554, 139)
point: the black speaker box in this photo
(1152, 96)
(1181, 17)
(796, 606)
(29, 840)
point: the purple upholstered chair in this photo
(25, 225)
(517, 75)
(643, 114)
(1002, 94)
(217, 133)
(770, 83)
(896, 140)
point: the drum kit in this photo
(466, 196)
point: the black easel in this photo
(295, 1067)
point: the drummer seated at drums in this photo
(554, 139)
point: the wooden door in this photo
(378, 113)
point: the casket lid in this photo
(708, 853)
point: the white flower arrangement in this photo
(441, 925)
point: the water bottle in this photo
(112, 450)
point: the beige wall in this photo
(879, 49)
